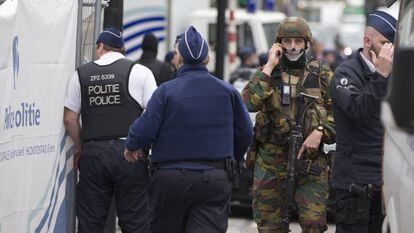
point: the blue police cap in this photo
(193, 47)
(111, 37)
(384, 23)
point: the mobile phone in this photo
(278, 53)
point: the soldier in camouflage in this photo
(271, 92)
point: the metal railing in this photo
(89, 25)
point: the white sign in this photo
(37, 47)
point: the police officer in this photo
(109, 94)
(272, 91)
(357, 89)
(197, 125)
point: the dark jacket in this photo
(242, 73)
(357, 93)
(193, 117)
(161, 70)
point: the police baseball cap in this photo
(111, 37)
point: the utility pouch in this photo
(353, 211)
(262, 127)
(305, 167)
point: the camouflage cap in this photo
(294, 27)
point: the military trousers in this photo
(311, 196)
(103, 174)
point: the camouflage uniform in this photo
(270, 145)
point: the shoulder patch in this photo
(343, 81)
(313, 66)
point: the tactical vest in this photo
(280, 116)
(107, 106)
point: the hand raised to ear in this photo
(383, 63)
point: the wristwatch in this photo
(320, 128)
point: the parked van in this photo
(398, 118)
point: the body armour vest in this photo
(107, 106)
(282, 113)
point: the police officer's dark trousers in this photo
(189, 201)
(104, 172)
(356, 215)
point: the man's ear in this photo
(99, 49)
(100, 46)
(367, 41)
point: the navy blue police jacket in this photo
(357, 93)
(193, 117)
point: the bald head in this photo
(371, 32)
(373, 40)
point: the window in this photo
(244, 36)
(212, 34)
(270, 32)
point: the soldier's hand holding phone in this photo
(275, 53)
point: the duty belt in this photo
(217, 164)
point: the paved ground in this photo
(242, 225)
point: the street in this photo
(243, 225)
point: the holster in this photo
(364, 192)
(232, 168)
(151, 168)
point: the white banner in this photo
(140, 18)
(37, 47)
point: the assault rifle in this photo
(295, 143)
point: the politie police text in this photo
(107, 94)
(27, 115)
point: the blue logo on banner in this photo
(15, 59)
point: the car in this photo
(398, 119)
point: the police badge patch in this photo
(343, 81)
